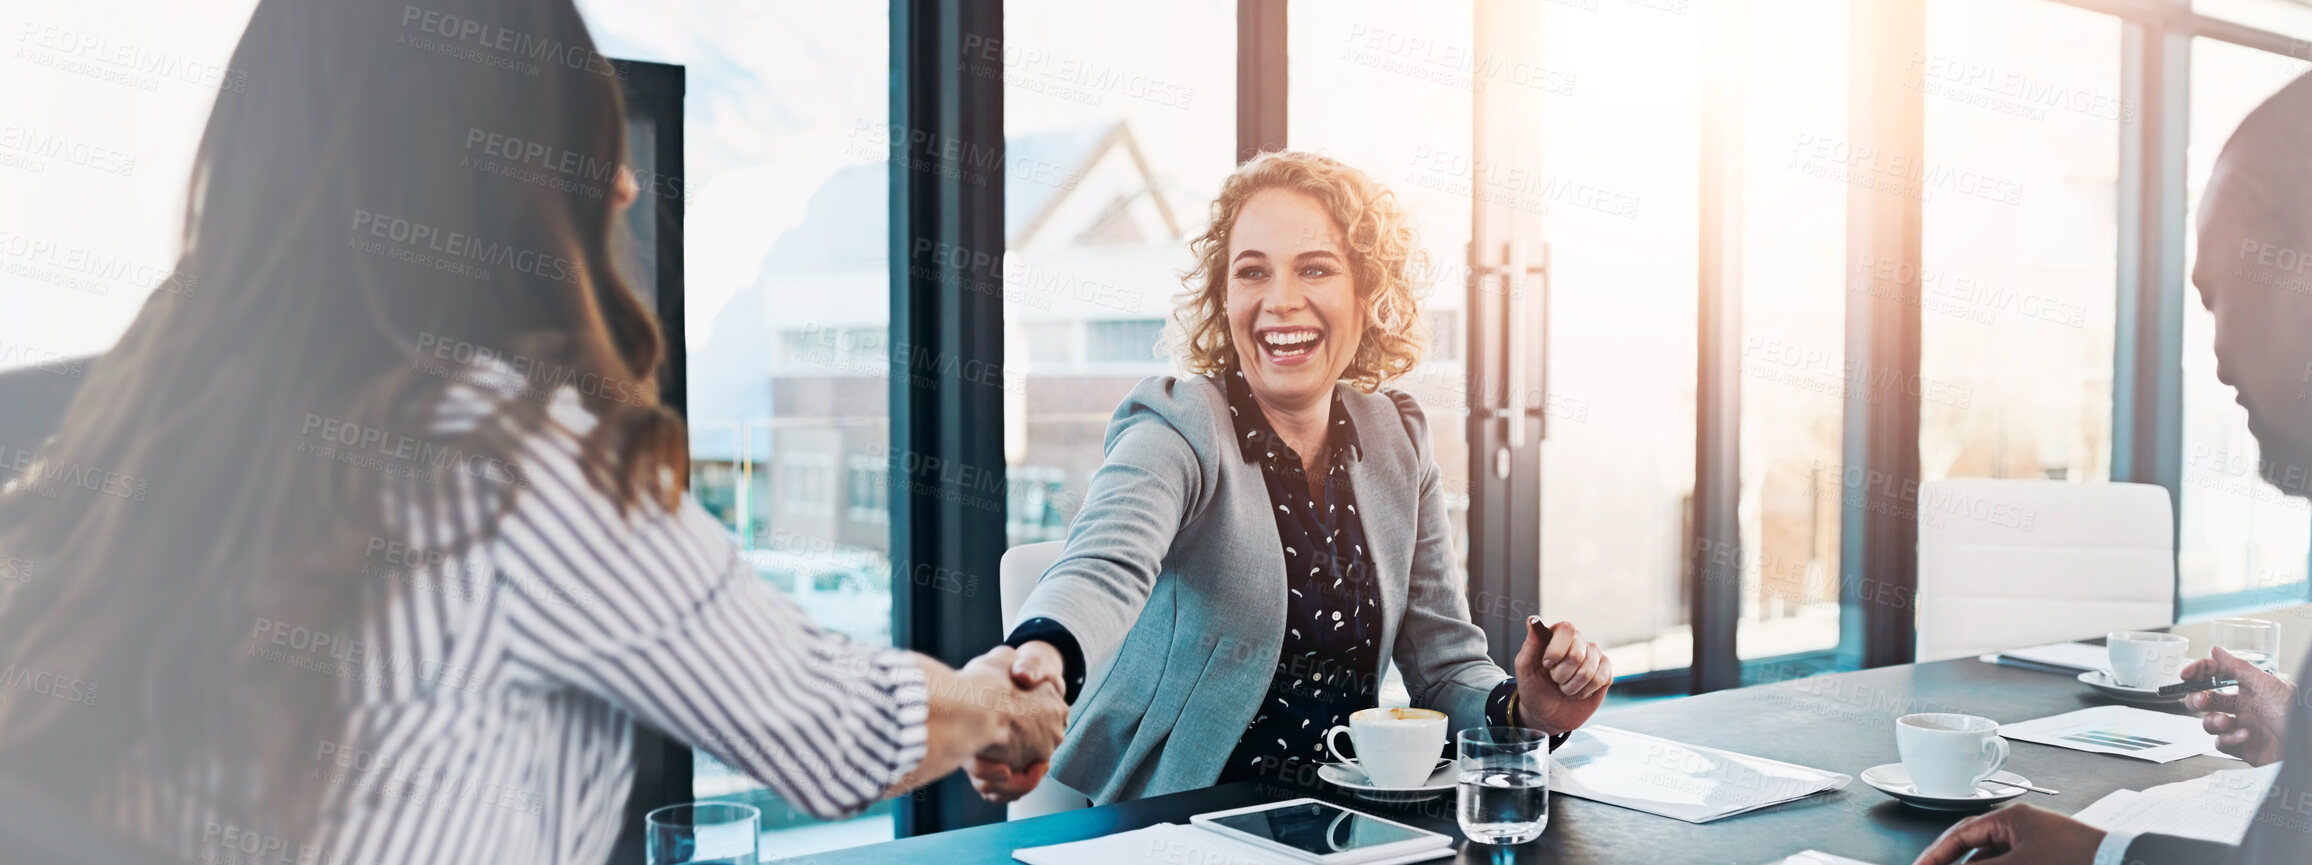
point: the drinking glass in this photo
(2252, 640)
(702, 833)
(1504, 783)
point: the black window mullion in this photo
(946, 377)
(1878, 531)
(1260, 77)
(2147, 379)
(1714, 589)
(1508, 320)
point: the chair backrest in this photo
(1022, 566)
(2010, 563)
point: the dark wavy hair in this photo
(339, 235)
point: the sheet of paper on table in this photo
(2077, 657)
(2124, 730)
(2214, 807)
(1685, 782)
(1817, 857)
(1175, 842)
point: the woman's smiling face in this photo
(1293, 312)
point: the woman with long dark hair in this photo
(372, 549)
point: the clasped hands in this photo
(1031, 715)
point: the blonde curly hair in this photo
(1385, 259)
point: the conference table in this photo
(1841, 722)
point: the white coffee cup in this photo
(2141, 659)
(1948, 754)
(1396, 747)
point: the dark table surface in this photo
(1842, 722)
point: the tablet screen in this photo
(1317, 828)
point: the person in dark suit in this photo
(2254, 275)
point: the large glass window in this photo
(1387, 88)
(1119, 123)
(787, 293)
(2285, 17)
(1618, 197)
(2243, 542)
(2019, 179)
(1795, 289)
(103, 114)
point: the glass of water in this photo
(702, 833)
(1504, 786)
(2252, 640)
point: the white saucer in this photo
(2101, 681)
(1894, 780)
(1352, 779)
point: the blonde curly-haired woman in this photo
(1267, 532)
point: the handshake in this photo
(1027, 714)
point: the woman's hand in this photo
(1033, 716)
(2248, 725)
(1037, 665)
(1561, 677)
(2019, 834)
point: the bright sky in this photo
(94, 156)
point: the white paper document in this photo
(2077, 657)
(2215, 807)
(2124, 730)
(1817, 857)
(1686, 782)
(1174, 842)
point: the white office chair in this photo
(2005, 564)
(1022, 566)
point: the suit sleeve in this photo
(1136, 503)
(1439, 650)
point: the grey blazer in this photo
(1172, 582)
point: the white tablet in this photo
(1309, 830)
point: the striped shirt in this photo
(493, 713)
